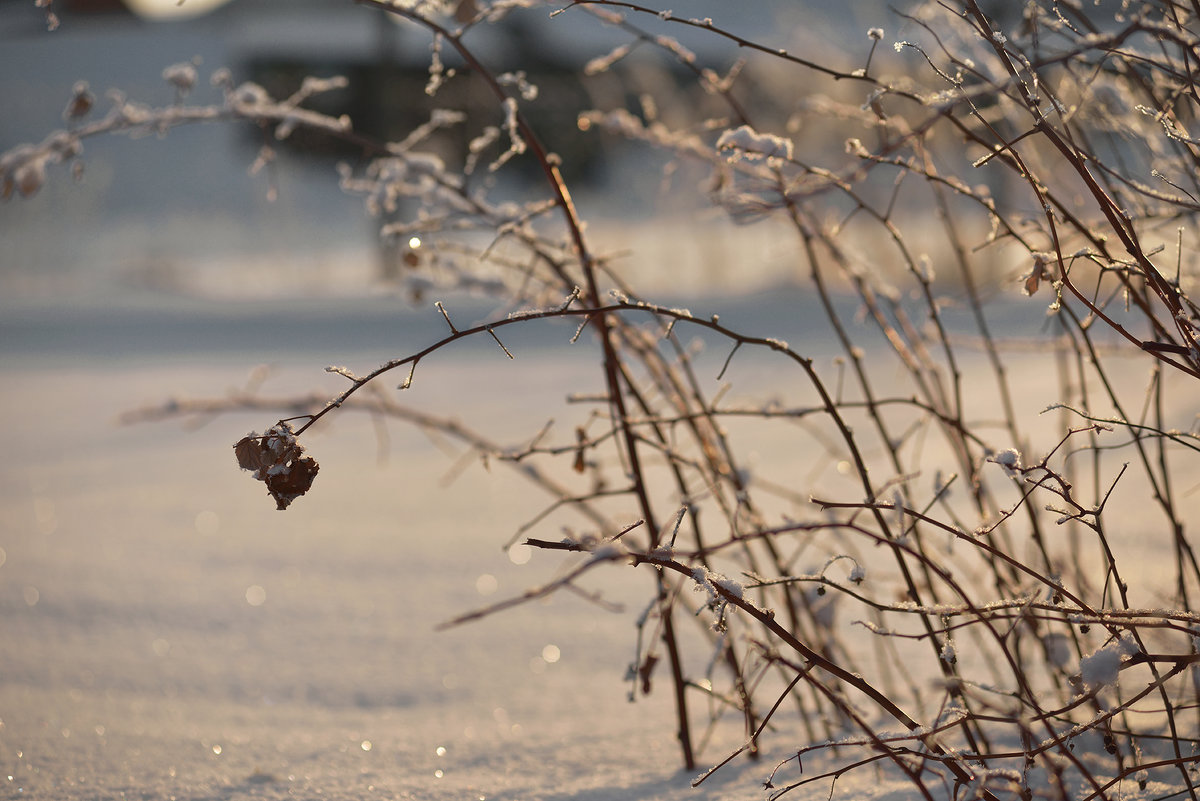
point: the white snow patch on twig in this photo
(1100, 668)
(746, 143)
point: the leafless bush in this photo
(930, 573)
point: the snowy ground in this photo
(168, 634)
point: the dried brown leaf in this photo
(277, 460)
(292, 481)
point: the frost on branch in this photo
(1101, 667)
(746, 143)
(81, 102)
(181, 76)
(1009, 459)
(278, 460)
(23, 167)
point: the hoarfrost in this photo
(518, 79)
(746, 143)
(1009, 459)
(728, 585)
(601, 64)
(1100, 668)
(512, 126)
(81, 102)
(673, 45)
(181, 76)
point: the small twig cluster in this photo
(935, 579)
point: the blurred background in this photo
(165, 629)
(181, 213)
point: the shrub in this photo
(933, 570)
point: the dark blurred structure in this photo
(130, 206)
